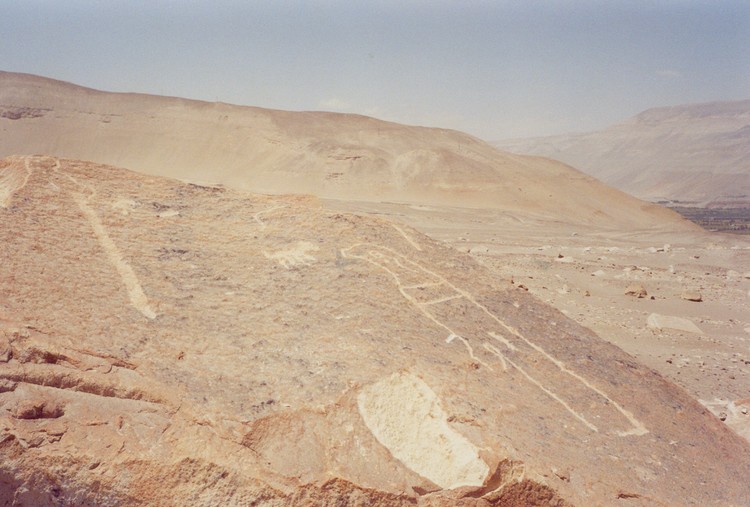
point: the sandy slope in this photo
(271, 351)
(698, 153)
(330, 155)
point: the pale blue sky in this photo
(491, 68)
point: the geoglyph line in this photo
(135, 291)
(493, 350)
(413, 301)
(11, 182)
(549, 393)
(383, 257)
(421, 286)
(407, 237)
(257, 218)
(503, 340)
(441, 300)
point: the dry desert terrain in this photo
(311, 308)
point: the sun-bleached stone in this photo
(406, 416)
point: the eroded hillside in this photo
(694, 154)
(338, 156)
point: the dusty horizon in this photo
(494, 69)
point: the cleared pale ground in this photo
(698, 154)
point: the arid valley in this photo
(208, 304)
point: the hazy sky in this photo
(491, 68)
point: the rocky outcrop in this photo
(165, 343)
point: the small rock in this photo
(563, 475)
(744, 410)
(692, 296)
(587, 294)
(722, 416)
(636, 290)
(598, 272)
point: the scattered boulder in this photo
(659, 322)
(692, 296)
(598, 272)
(636, 290)
(666, 248)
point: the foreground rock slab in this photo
(165, 343)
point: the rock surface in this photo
(169, 343)
(693, 296)
(636, 290)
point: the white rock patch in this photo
(657, 322)
(405, 416)
(294, 256)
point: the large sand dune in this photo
(330, 155)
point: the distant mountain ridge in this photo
(698, 154)
(331, 155)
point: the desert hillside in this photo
(330, 155)
(698, 154)
(168, 343)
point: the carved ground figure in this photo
(494, 344)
